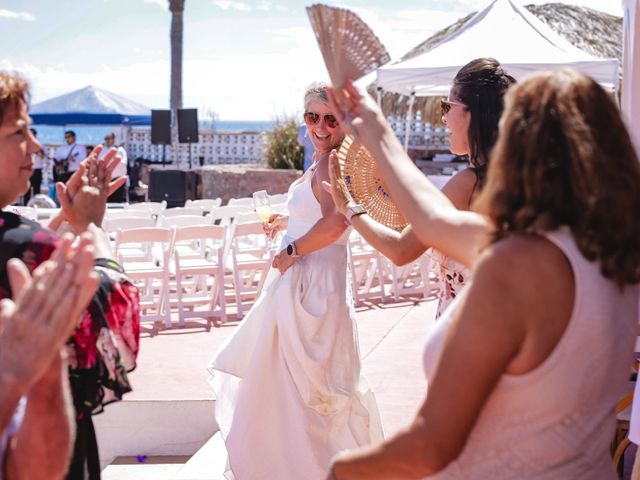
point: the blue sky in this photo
(243, 59)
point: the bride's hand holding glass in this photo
(277, 222)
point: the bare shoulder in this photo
(525, 260)
(531, 280)
(460, 188)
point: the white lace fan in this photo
(349, 47)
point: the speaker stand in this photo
(189, 145)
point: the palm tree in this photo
(175, 98)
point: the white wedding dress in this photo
(289, 389)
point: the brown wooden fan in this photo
(366, 185)
(349, 47)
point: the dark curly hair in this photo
(565, 157)
(481, 85)
(14, 91)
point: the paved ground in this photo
(171, 363)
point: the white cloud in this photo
(164, 4)
(26, 16)
(232, 5)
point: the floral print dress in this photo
(103, 347)
(453, 277)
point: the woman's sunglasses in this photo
(313, 118)
(445, 106)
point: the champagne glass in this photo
(263, 209)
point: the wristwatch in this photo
(291, 250)
(354, 210)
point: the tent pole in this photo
(379, 96)
(408, 122)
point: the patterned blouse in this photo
(453, 277)
(104, 346)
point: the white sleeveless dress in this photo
(289, 389)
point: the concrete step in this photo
(209, 463)
(133, 428)
(151, 468)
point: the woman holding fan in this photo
(289, 389)
(471, 112)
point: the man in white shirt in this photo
(68, 157)
(120, 195)
(38, 159)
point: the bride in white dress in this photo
(289, 389)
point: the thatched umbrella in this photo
(595, 32)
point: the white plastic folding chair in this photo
(247, 217)
(179, 211)
(149, 271)
(207, 204)
(126, 213)
(366, 269)
(411, 279)
(184, 221)
(112, 225)
(224, 215)
(245, 202)
(200, 279)
(155, 207)
(250, 262)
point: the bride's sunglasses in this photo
(445, 106)
(313, 118)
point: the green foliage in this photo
(282, 149)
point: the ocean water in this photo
(94, 134)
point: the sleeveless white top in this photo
(305, 211)
(557, 421)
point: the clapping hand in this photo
(46, 307)
(83, 198)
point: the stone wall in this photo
(236, 181)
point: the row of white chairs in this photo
(175, 217)
(187, 267)
(374, 276)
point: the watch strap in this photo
(354, 210)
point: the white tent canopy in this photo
(506, 31)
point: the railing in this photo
(214, 148)
(422, 135)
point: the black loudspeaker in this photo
(161, 127)
(188, 125)
(174, 186)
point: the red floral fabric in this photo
(105, 344)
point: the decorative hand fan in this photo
(366, 185)
(349, 47)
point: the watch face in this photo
(289, 249)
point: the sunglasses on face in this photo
(314, 118)
(445, 106)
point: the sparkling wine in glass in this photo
(263, 209)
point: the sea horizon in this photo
(94, 134)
